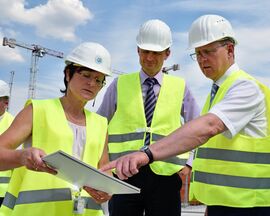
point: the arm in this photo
(188, 137)
(191, 135)
(17, 133)
(108, 105)
(105, 156)
(190, 110)
(100, 196)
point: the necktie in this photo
(214, 90)
(149, 105)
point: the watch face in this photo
(144, 148)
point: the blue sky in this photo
(62, 24)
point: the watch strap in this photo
(148, 152)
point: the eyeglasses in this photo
(89, 76)
(197, 56)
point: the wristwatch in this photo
(148, 152)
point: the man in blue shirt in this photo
(128, 131)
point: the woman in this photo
(46, 126)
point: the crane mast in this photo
(10, 86)
(37, 52)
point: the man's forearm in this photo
(188, 137)
(9, 159)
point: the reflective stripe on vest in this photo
(117, 138)
(9, 200)
(4, 179)
(233, 172)
(232, 155)
(51, 195)
(172, 160)
(232, 181)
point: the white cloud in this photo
(264, 80)
(18, 98)
(251, 7)
(254, 49)
(9, 55)
(56, 18)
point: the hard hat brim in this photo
(152, 47)
(204, 43)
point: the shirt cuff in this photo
(190, 159)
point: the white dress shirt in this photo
(243, 108)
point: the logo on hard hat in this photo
(98, 60)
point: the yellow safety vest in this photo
(5, 175)
(37, 193)
(128, 126)
(233, 172)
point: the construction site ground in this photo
(196, 210)
(189, 210)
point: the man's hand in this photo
(128, 165)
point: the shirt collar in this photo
(144, 76)
(232, 69)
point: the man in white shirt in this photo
(230, 170)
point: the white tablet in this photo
(81, 174)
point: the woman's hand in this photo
(32, 159)
(186, 171)
(98, 196)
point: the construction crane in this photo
(165, 70)
(10, 85)
(37, 52)
(174, 67)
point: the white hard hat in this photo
(91, 55)
(209, 28)
(154, 35)
(4, 89)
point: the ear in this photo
(230, 48)
(67, 75)
(167, 54)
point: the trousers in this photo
(230, 211)
(160, 196)
(1, 200)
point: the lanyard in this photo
(78, 202)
